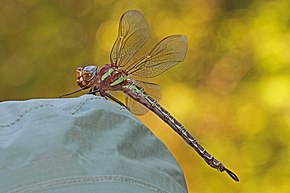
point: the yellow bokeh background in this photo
(232, 92)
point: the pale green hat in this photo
(81, 145)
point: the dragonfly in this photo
(141, 96)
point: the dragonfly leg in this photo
(70, 93)
(93, 91)
(104, 94)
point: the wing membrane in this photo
(154, 90)
(167, 53)
(132, 35)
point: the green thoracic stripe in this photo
(108, 73)
(121, 79)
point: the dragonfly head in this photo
(85, 76)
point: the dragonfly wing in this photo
(167, 53)
(153, 90)
(132, 35)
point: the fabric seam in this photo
(25, 112)
(88, 180)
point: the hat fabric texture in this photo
(86, 144)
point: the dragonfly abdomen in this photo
(138, 94)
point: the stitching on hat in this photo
(81, 104)
(21, 115)
(88, 99)
(88, 180)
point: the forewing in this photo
(153, 90)
(132, 35)
(167, 53)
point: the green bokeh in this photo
(232, 91)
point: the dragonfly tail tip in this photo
(232, 175)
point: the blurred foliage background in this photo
(232, 91)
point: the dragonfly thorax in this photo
(85, 76)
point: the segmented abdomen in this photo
(138, 94)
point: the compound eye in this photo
(90, 69)
(89, 72)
